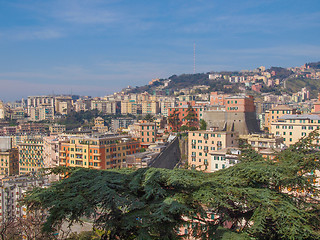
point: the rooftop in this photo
(300, 116)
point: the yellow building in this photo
(150, 107)
(9, 160)
(30, 156)
(294, 127)
(202, 143)
(273, 114)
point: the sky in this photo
(97, 47)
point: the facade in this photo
(145, 132)
(181, 113)
(12, 190)
(202, 143)
(165, 105)
(294, 127)
(264, 141)
(63, 104)
(130, 107)
(57, 129)
(223, 158)
(40, 113)
(31, 128)
(274, 113)
(30, 156)
(2, 110)
(9, 157)
(105, 106)
(150, 107)
(119, 123)
(237, 114)
(97, 152)
(51, 147)
(99, 125)
(33, 102)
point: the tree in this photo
(255, 199)
(174, 121)
(192, 119)
(203, 124)
(149, 117)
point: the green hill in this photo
(294, 85)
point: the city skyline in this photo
(99, 47)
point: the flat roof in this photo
(300, 116)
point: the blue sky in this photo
(93, 47)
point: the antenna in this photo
(194, 58)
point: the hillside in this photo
(294, 85)
(314, 65)
(178, 82)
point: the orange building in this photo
(217, 99)
(97, 152)
(181, 112)
(240, 104)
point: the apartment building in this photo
(150, 107)
(102, 152)
(130, 107)
(181, 112)
(51, 153)
(2, 110)
(30, 156)
(201, 143)
(63, 104)
(294, 127)
(12, 190)
(145, 132)
(40, 113)
(33, 102)
(119, 123)
(223, 158)
(274, 113)
(57, 129)
(9, 158)
(263, 141)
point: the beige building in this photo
(63, 104)
(57, 129)
(273, 114)
(201, 143)
(263, 141)
(43, 112)
(150, 107)
(294, 127)
(223, 158)
(2, 110)
(51, 154)
(130, 107)
(9, 158)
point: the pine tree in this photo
(255, 199)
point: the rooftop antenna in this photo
(194, 58)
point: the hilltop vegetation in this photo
(294, 85)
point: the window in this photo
(217, 166)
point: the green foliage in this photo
(203, 124)
(249, 200)
(295, 84)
